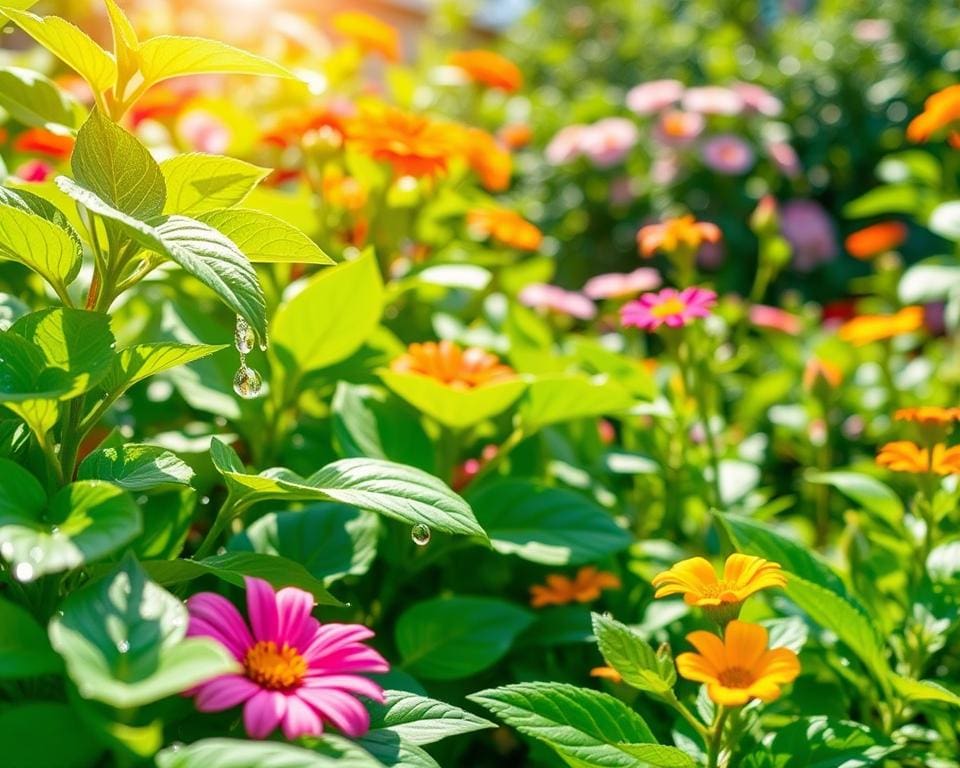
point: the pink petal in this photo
(362, 686)
(262, 608)
(294, 606)
(332, 637)
(214, 616)
(353, 658)
(341, 709)
(224, 692)
(301, 719)
(262, 712)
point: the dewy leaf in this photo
(582, 724)
(69, 44)
(452, 638)
(118, 168)
(629, 654)
(264, 238)
(420, 720)
(35, 100)
(169, 56)
(141, 361)
(136, 467)
(199, 183)
(24, 649)
(124, 641)
(552, 526)
(44, 247)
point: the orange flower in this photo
(906, 456)
(817, 370)
(683, 232)
(506, 227)
(415, 145)
(449, 364)
(739, 667)
(928, 415)
(941, 111)
(343, 191)
(369, 33)
(876, 239)
(489, 68)
(697, 581)
(44, 142)
(867, 328)
(516, 135)
(292, 127)
(486, 158)
(607, 673)
(584, 588)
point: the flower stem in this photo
(715, 742)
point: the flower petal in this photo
(300, 719)
(745, 644)
(263, 712)
(294, 607)
(224, 692)
(212, 615)
(341, 709)
(262, 608)
(355, 684)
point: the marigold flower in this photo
(489, 68)
(906, 456)
(447, 363)
(697, 581)
(553, 298)
(291, 127)
(44, 142)
(941, 111)
(486, 157)
(928, 415)
(586, 587)
(506, 227)
(739, 667)
(683, 232)
(415, 145)
(868, 328)
(297, 673)
(369, 33)
(876, 239)
(668, 307)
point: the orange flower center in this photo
(735, 677)
(275, 668)
(668, 308)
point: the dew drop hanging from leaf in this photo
(420, 534)
(248, 382)
(243, 337)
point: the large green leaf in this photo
(890, 198)
(36, 734)
(329, 540)
(35, 100)
(924, 691)
(658, 756)
(629, 654)
(452, 638)
(420, 720)
(83, 522)
(24, 649)
(136, 467)
(141, 361)
(169, 56)
(871, 494)
(558, 398)
(392, 750)
(822, 742)
(552, 526)
(41, 245)
(237, 753)
(583, 725)
(124, 641)
(341, 306)
(197, 183)
(264, 238)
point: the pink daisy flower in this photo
(775, 319)
(615, 285)
(296, 673)
(677, 128)
(728, 154)
(607, 142)
(713, 100)
(566, 145)
(785, 158)
(668, 307)
(654, 96)
(758, 99)
(552, 298)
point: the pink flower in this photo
(677, 129)
(785, 158)
(204, 131)
(34, 170)
(654, 96)
(809, 229)
(566, 145)
(728, 154)
(713, 100)
(758, 99)
(607, 142)
(668, 307)
(872, 30)
(616, 285)
(775, 319)
(297, 673)
(621, 191)
(665, 169)
(553, 298)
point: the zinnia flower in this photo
(586, 587)
(906, 456)
(739, 667)
(683, 232)
(369, 33)
(297, 672)
(293, 126)
(728, 154)
(415, 145)
(941, 112)
(697, 581)
(713, 100)
(928, 415)
(566, 145)
(490, 161)
(785, 158)
(654, 96)
(449, 364)
(758, 99)
(616, 285)
(677, 128)
(775, 319)
(489, 68)
(43, 142)
(607, 142)
(668, 307)
(506, 227)
(868, 328)
(553, 298)
(876, 239)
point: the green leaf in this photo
(392, 750)
(924, 691)
(403, 493)
(41, 245)
(46, 733)
(341, 306)
(871, 494)
(629, 654)
(419, 720)
(237, 753)
(457, 408)
(231, 567)
(930, 280)
(116, 167)
(141, 361)
(24, 649)
(890, 198)
(552, 526)
(198, 183)
(264, 238)
(169, 56)
(136, 467)
(166, 522)
(124, 641)
(329, 540)
(35, 100)
(125, 45)
(69, 44)
(557, 398)
(659, 756)
(452, 638)
(584, 725)
(822, 742)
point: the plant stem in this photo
(230, 509)
(715, 743)
(671, 699)
(513, 440)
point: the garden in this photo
(479, 384)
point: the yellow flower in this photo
(867, 328)
(369, 33)
(585, 588)
(683, 232)
(929, 415)
(739, 667)
(906, 456)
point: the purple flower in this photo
(654, 96)
(728, 154)
(809, 229)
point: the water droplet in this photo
(123, 646)
(247, 383)
(23, 572)
(420, 535)
(243, 336)
(263, 343)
